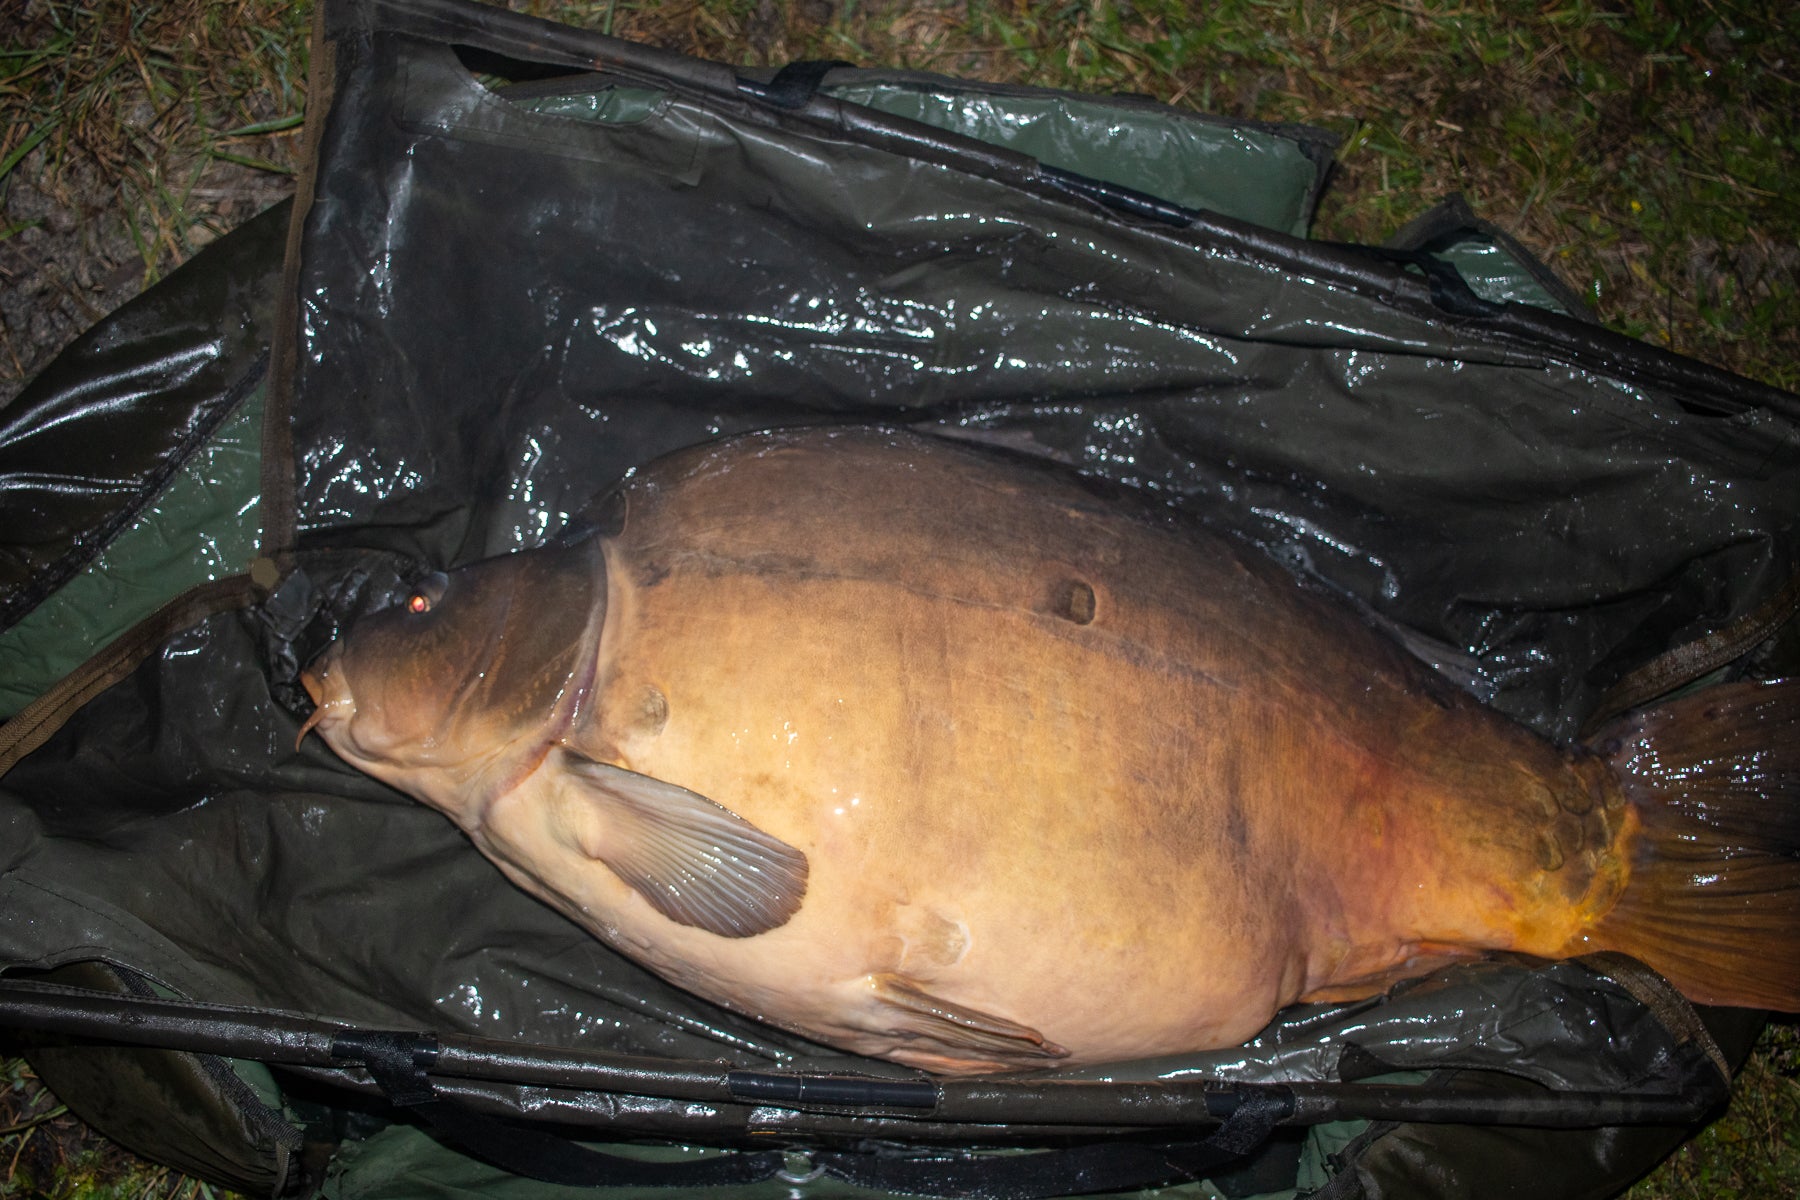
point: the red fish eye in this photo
(430, 590)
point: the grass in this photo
(151, 95)
(131, 134)
(1647, 149)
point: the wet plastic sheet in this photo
(502, 310)
(130, 469)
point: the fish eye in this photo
(427, 593)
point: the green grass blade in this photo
(291, 121)
(28, 145)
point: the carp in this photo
(936, 755)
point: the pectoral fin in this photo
(696, 862)
(975, 1040)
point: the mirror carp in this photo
(937, 755)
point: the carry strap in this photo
(1450, 292)
(795, 84)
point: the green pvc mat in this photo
(1495, 275)
(1237, 171)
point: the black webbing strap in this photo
(1449, 290)
(1077, 1171)
(397, 1063)
(794, 84)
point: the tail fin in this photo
(1713, 897)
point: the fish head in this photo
(465, 683)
